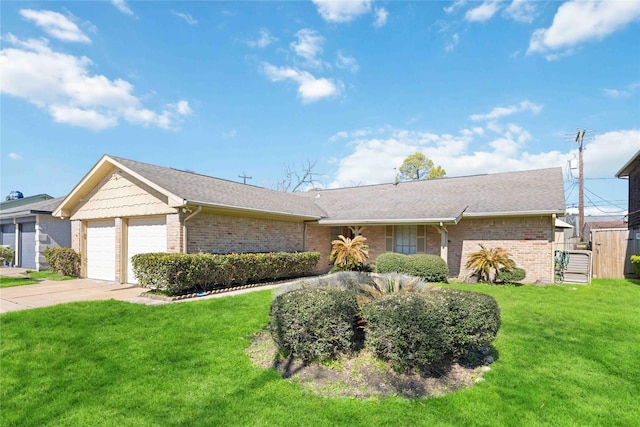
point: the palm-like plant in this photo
(349, 254)
(484, 261)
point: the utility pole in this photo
(244, 177)
(579, 139)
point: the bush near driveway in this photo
(179, 273)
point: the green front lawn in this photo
(32, 277)
(568, 355)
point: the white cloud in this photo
(381, 17)
(482, 13)
(622, 93)
(186, 17)
(308, 46)
(455, 6)
(14, 156)
(347, 62)
(455, 39)
(608, 152)
(521, 11)
(577, 22)
(498, 112)
(63, 85)
(372, 158)
(337, 11)
(56, 25)
(310, 88)
(230, 134)
(122, 6)
(263, 41)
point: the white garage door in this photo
(144, 235)
(101, 250)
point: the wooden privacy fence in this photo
(612, 250)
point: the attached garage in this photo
(27, 245)
(144, 235)
(101, 250)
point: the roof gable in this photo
(633, 165)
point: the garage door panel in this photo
(101, 250)
(144, 235)
(27, 255)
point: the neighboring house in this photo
(590, 226)
(27, 227)
(124, 207)
(631, 171)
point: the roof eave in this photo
(625, 171)
(545, 212)
(231, 208)
(387, 221)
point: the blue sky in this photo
(226, 88)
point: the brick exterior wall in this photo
(529, 240)
(76, 232)
(175, 236)
(215, 233)
(119, 257)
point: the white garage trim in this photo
(101, 250)
(144, 235)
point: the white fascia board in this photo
(243, 209)
(388, 221)
(512, 213)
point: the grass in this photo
(31, 278)
(568, 356)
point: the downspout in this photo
(184, 225)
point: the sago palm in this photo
(485, 260)
(349, 254)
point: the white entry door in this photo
(144, 235)
(101, 250)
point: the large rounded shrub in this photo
(472, 319)
(432, 268)
(390, 262)
(316, 323)
(407, 330)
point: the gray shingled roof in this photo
(513, 193)
(525, 192)
(37, 207)
(196, 188)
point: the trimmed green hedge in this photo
(64, 261)
(431, 268)
(178, 273)
(514, 275)
(315, 323)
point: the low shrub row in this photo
(431, 268)
(178, 273)
(412, 330)
(63, 261)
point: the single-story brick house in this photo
(124, 207)
(27, 227)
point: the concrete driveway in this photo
(52, 292)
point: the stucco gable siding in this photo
(121, 195)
